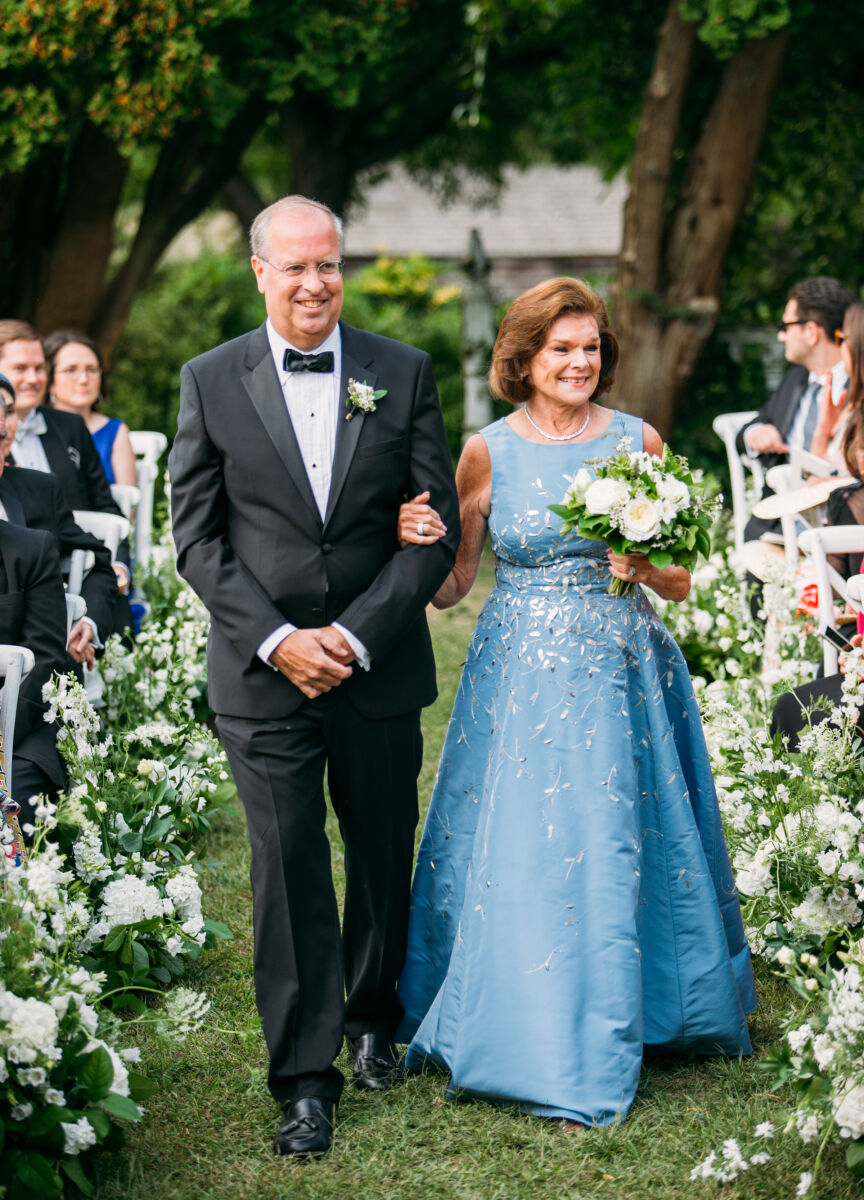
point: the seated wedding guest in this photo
(814, 310)
(48, 440)
(76, 384)
(33, 499)
(33, 614)
(845, 507)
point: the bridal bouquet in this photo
(638, 504)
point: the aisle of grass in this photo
(208, 1129)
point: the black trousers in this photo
(28, 780)
(302, 964)
(788, 715)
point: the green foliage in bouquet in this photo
(638, 504)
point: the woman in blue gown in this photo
(573, 900)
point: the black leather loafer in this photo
(376, 1065)
(307, 1131)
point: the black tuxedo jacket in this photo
(75, 462)
(251, 542)
(33, 614)
(34, 499)
(779, 410)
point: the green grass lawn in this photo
(207, 1133)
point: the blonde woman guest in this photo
(76, 383)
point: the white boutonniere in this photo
(361, 396)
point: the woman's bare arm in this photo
(474, 484)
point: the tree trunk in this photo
(75, 275)
(668, 289)
(190, 170)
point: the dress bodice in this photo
(527, 477)
(103, 439)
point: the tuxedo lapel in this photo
(355, 365)
(262, 384)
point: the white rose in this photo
(786, 956)
(674, 490)
(603, 494)
(639, 519)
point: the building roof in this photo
(542, 212)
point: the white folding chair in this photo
(107, 527)
(76, 607)
(727, 427)
(127, 497)
(817, 544)
(785, 478)
(74, 567)
(149, 446)
(16, 663)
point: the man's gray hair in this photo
(259, 232)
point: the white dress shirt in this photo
(27, 447)
(312, 400)
(810, 395)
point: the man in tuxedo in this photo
(46, 439)
(33, 614)
(285, 497)
(814, 310)
(33, 499)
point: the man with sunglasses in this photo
(789, 418)
(296, 444)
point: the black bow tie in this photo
(320, 363)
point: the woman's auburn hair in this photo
(525, 329)
(853, 439)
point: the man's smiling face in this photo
(305, 310)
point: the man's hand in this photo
(80, 646)
(765, 439)
(315, 660)
(122, 578)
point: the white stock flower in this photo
(848, 1109)
(31, 1027)
(804, 1183)
(603, 495)
(639, 519)
(79, 1135)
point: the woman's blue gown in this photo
(573, 898)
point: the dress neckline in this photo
(563, 445)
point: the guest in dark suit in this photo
(285, 504)
(47, 439)
(33, 614)
(791, 415)
(33, 499)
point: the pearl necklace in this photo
(564, 437)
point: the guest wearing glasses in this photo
(793, 416)
(59, 443)
(76, 384)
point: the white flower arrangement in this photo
(638, 504)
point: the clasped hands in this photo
(315, 660)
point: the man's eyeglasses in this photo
(91, 372)
(839, 337)
(325, 270)
(782, 326)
